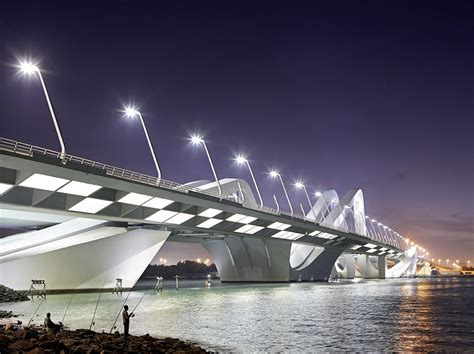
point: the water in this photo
(388, 315)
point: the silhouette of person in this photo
(126, 320)
(49, 324)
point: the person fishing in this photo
(126, 320)
(50, 325)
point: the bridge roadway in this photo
(97, 222)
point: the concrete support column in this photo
(382, 262)
(247, 259)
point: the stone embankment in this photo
(17, 339)
(10, 295)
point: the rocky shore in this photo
(18, 339)
(10, 295)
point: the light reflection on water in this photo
(390, 315)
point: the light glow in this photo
(44, 182)
(131, 112)
(370, 245)
(274, 173)
(79, 188)
(135, 198)
(161, 216)
(90, 205)
(28, 68)
(158, 203)
(210, 213)
(318, 194)
(196, 140)
(355, 247)
(254, 230)
(4, 187)
(247, 220)
(299, 185)
(278, 226)
(209, 223)
(179, 218)
(240, 159)
(245, 228)
(372, 250)
(235, 217)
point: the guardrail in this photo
(24, 149)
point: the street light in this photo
(241, 160)
(197, 140)
(300, 185)
(275, 174)
(132, 112)
(28, 68)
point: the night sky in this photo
(368, 94)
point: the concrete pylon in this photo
(91, 257)
(245, 259)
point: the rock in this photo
(36, 340)
(22, 344)
(10, 295)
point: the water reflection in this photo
(390, 315)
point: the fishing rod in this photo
(96, 305)
(31, 319)
(138, 303)
(67, 308)
(115, 322)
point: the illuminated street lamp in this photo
(131, 112)
(197, 140)
(28, 68)
(300, 185)
(275, 174)
(241, 160)
(318, 194)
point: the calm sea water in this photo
(389, 315)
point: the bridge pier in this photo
(312, 263)
(349, 270)
(372, 267)
(245, 259)
(78, 254)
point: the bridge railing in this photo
(24, 149)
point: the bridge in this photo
(89, 223)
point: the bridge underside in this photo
(79, 254)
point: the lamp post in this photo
(196, 140)
(241, 160)
(300, 185)
(28, 68)
(131, 112)
(275, 174)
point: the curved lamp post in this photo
(197, 140)
(131, 112)
(28, 68)
(243, 161)
(275, 174)
(300, 185)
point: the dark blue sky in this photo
(369, 94)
